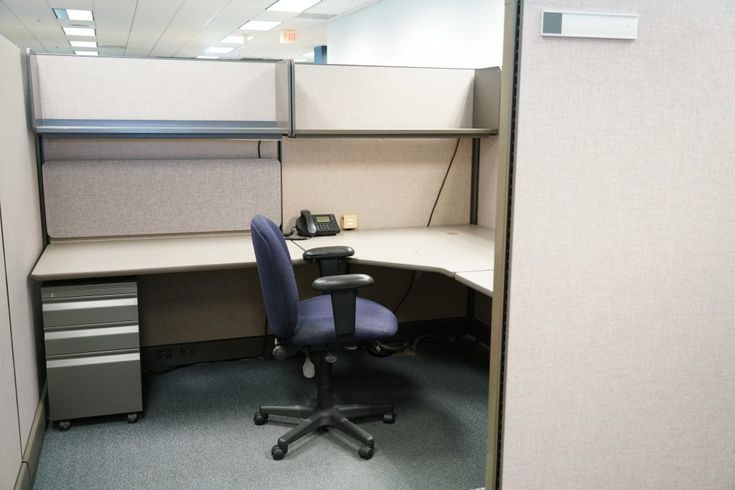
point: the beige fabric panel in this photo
(620, 366)
(98, 198)
(388, 182)
(21, 222)
(488, 184)
(155, 89)
(154, 149)
(370, 97)
(10, 445)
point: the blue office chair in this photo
(319, 325)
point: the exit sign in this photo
(288, 37)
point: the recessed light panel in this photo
(259, 25)
(79, 31)
(80, 15)
(83, 44)
(232, 40)
(205, 57)
(292, 5)
(219, 50)
(86, 53)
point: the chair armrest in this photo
(319, 253)
(343, 289)
(342, 282)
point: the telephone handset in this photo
(310, 224)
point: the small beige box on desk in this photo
(349, 221)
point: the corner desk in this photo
(91, 331)
(463, 252)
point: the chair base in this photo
(337, 417)
(325, 414)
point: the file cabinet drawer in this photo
(90, 339)
(90, 311)
(94, 385)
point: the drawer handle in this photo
(92, 360)
(87, 305)
(90, 332)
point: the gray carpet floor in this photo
(198, 430)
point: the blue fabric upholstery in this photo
(309, 322)
(316, 322)
(277, 281)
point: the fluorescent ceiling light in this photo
(259, 25)
(292, 5)
(300, 60)
(83, 44)
(232, 40)
(72, 14)
(79, 14)
(205, 57)
(86, 53)
(79, 31)
(219, 49)
(308, 54)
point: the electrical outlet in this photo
(164, 354)
(187, 351)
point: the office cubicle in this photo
(285, 132)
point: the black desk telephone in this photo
(316, 224)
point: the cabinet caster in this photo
(260, 418)
(389, 417)
(133, 418)
(64, 425)
(365, 452)
(278, 452)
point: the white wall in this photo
(621, 346)
(440, 33)
(21, 223)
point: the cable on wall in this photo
(444, 181)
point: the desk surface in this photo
(448, 250)
(482, 281)
(443, 249)
(126, 257)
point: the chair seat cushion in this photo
(316, 322)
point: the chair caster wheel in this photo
(278, 452)
(389, 417)
(133, 418)
(365, 452)
(260, 418)
(64, 425)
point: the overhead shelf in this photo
(382, 101)
(99, 95)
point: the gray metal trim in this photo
(395, 133)
(284, 95)
(159, 127)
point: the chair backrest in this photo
(277, 279)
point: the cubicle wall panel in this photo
(10, 446)
(387, 182)
(155, 149)
(620, 366)
(21, 218)
(99, 198)
(200, 306)
(79, 88)
(488, 184)
(370, 97)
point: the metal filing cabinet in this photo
(92, 350)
